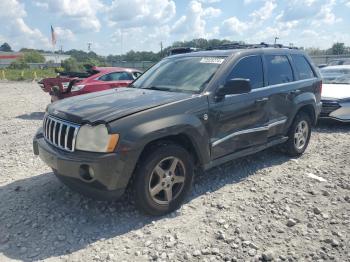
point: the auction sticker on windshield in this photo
(212, 60)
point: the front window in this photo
(335, 75)
(279, 70)
(249, 68)
(183, 74)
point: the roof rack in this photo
(237, 45)
(248, 46)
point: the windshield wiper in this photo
(158, 88)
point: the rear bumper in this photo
(101, 176)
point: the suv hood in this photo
(106, 106)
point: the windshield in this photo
(183, 74)
(336, 75)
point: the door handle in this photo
(262, 100)
(295, 92)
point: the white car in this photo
(336, 93)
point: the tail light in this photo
(319, 87)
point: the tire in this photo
(298, 139)
(167, 168)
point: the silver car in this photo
(336, 93)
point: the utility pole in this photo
(276, 38)
(89, 46)
(121, 44)
(161, 49)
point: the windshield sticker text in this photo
(212, 60)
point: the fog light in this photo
(87, 173)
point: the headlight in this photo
(96, 139)
(77, 88)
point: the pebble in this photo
(252, 252)
(268, 256)
(197, 253)
(316, 210)
(291, 222)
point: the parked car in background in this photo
(194, 110)
(340, 61)
(94, 79)
(336, 93)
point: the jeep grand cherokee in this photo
(199, 109)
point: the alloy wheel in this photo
(167, 180)
(301, 134)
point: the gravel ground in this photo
(264, 207)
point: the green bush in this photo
(18, 64)
(32, 57)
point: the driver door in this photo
(241, 120)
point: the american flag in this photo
(53, 36)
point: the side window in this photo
(279, 70)
(249, 68)
(116, 76)
(303, 67)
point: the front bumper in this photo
(336, 110)
(101, 176)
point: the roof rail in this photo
(248, 46)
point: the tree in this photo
(32, 57)
(338, 48)
(18, 64)
(5, 47)
(71, 65)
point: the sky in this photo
(117, 26)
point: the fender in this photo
(304, 99)
(184, 124)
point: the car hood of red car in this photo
(109, 105)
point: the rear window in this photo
(303, 67)
(249, 68)
(279, 70)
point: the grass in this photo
(26, 74)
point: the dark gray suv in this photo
(199, 109)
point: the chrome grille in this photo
(59, 133)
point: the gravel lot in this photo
(264, 207)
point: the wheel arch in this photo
(181, 139)
(310, 111)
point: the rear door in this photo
(288, 76)
(240, 120)
(280, 86)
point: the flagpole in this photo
(53, 41)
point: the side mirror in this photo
(235, 86)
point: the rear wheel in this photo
(163, 179)
(299, 135)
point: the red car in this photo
(95, 79)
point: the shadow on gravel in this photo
(332, 126)
(32, 116)
(41, 218)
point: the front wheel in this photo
(163, 179)
(299, 135)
